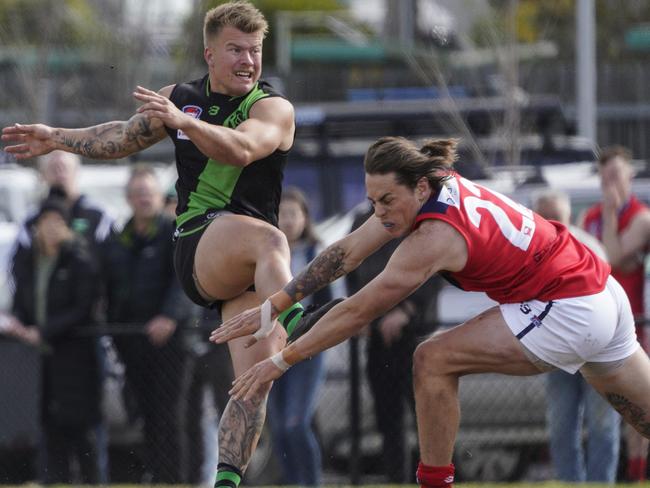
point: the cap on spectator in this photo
(57, 191)
(54, 204)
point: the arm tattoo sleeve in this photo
(113, 139)
(325, 268)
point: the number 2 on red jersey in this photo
(518, 237)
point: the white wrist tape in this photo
(266, 326)
(279, 361)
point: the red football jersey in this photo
(633, 282)
(514, 255)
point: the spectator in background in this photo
(56, 290)
(60, 172)
(142, 289)
(391, 343)
(622, 223)
(171, 202)
(293, 398)
(571, 399)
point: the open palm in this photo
(28, 140)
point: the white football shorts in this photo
(569, 332)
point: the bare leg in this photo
(241, 423)
(628, 390)
(234, 252)
(237, 251)
(481, 345)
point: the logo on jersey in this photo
(213, 110)
(192, 111)
(449, 194)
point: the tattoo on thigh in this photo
(632, 413)
(324, 269)
(239, 430)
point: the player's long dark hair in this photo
(434, 160)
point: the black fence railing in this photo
(166, 430)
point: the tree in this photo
(555, 21)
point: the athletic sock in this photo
(435, 476)
(227, 476)
(290, 317)
(636, 469)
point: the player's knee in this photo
(274, 240)
(428, 360)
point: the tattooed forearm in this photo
(324, 269)
(111, 140)
(240, 428)
(632, 413)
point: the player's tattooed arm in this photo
(112, 140)
(325, 268)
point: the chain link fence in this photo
(161, 424)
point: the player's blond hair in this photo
(240, 14)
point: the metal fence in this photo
(503, 434)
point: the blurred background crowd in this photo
(108, 386)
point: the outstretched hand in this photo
(252, 381)
(246, 323)
(29, 140)
(161, 107)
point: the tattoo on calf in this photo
(240, 429)
(634, 414)
(324, 269)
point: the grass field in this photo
(546, 484)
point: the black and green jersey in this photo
(205, 185)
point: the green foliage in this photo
(52, 22)
(555, 21)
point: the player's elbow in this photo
(240, 158)
(243, 158)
